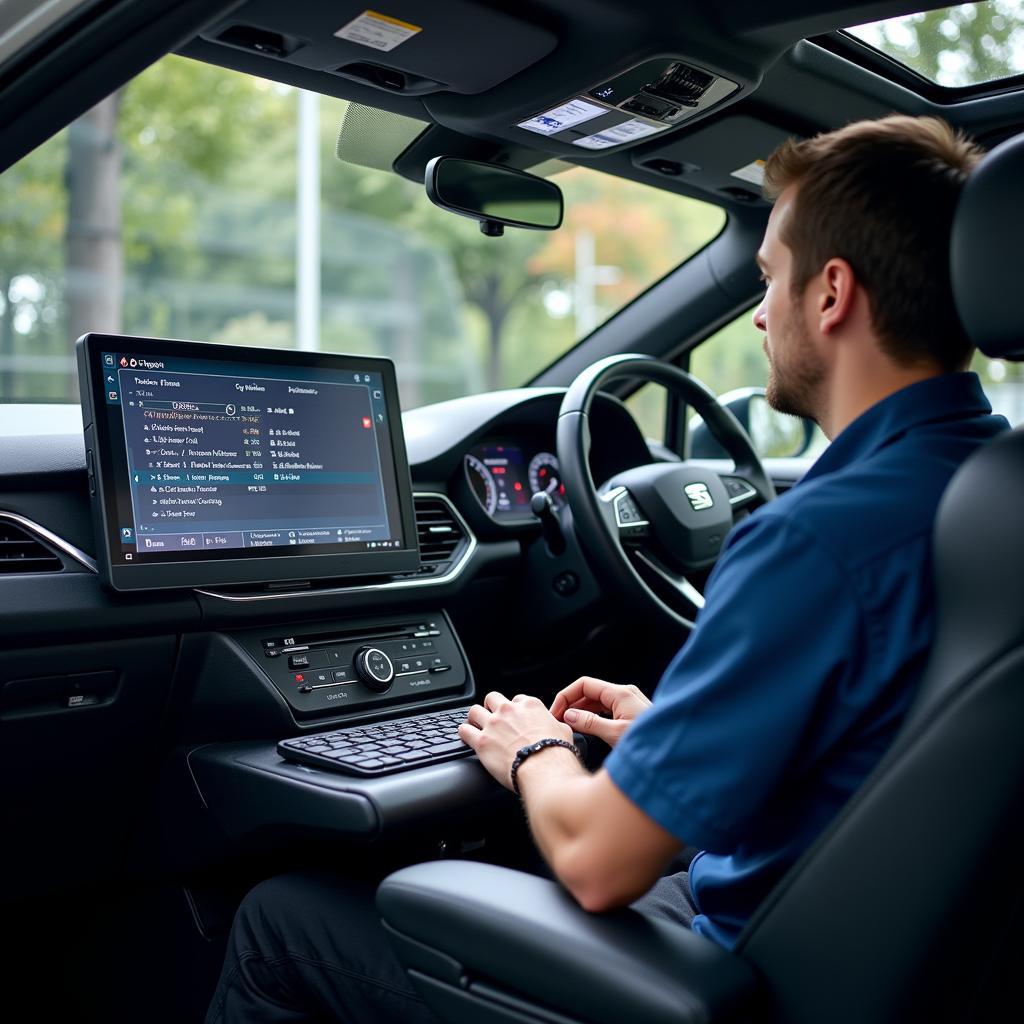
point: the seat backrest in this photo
(911, 905)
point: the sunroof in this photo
(969, 44)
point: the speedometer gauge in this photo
(546, 476)
(482, 483)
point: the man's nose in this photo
(759, 318)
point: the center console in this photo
(277, 477)
(320, 675)
(360, 667)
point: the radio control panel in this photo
(361, 664)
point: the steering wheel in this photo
(663, 522)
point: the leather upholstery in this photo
(519, 935)
(906, 900)
(985, 252)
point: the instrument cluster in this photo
(504, 478)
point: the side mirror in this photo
(774, 434)
(498, 197)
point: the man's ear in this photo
(836, 294)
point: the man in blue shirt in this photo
(817, 622)
(819, 614)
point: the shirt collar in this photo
(950, 396)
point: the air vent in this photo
(439, 533)
(21, 553)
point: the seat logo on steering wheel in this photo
(699, 495)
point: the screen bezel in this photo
(273, 568)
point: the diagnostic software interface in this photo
(231, 457)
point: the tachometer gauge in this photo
(546, 476)
(482, 483)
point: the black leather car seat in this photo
(910, 906)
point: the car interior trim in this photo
(681, 583)
(455, 570)
(65, 547)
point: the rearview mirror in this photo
(495, 196)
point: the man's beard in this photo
(794, 380)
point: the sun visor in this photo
(409, 48)
(375, 138)
(726, 156)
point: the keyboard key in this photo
(413, 755)
(446, 748)
(369, 763)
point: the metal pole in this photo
(585, 298)
(307, 233)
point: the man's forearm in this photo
(604, 849)
(558, 794)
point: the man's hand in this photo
(498, 728)
(581, 704)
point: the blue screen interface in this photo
(229, 456)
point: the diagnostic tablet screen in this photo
(233, 465)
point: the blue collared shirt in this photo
(818, 620)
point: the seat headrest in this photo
(985, 259)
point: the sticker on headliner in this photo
(752, 172)
(378, 31)
(618, 134)
(559, 118)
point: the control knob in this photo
(374, 668)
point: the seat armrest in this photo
(493, 931)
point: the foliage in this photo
(209, 239)
(954, 46)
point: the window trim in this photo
(866, 56)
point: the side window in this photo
(731, 358)
(1004, 385)
(732, 363)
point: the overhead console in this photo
(214, 465)
(637, 104)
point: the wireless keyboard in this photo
(383, 747)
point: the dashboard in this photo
(197, 685)
(504, 475)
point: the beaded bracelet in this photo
(524, 752)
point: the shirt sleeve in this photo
(781, 628)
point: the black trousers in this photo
(310, 948)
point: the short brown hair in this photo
(881, 195)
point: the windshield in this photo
(201, 203)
